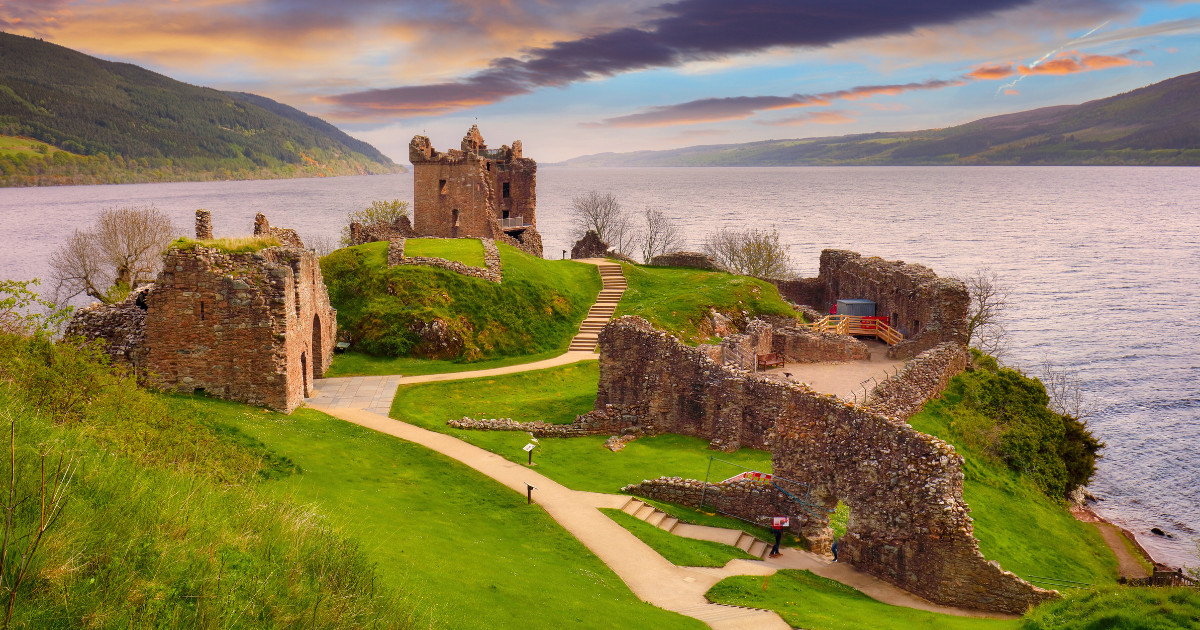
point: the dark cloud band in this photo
(688, 30)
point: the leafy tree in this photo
(751, 252)
(120, 252)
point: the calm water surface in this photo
(1104, 265)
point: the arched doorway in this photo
(318, 357)
(304, 373)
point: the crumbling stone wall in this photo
(122, 326)
(472, 191)
(909, 524)
(287, 236)
(492, 272)
(920, 380)
(252, 327)
(381, 231)
(801, 345)
(926, 309)
(694, 260)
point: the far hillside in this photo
(68, 118)
(1156, 125)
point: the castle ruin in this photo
(254, 327)
(475, 192)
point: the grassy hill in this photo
(117, 123)
(432, 313)
(1155, 125)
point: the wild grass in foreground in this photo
(805, 600)
(479, 554)
(557, 395)
(679, 551)
(1116, 608)
(468, 251)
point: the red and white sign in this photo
(779, 522)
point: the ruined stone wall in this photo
(287, 236)
(801, 345)
(381, 231)
(122, 326)
(253, 327)
(492, 272)
(754, 501)
(468, 192)
(926, 309)
(923, 378)
(694, 260)
(908, 522)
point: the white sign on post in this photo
(528, 448)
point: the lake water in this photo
(1103, 262)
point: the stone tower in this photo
(475, 192)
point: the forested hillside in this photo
(67, 118)
(1155, 125)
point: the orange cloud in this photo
(993, 72)
(1073, 62)
(1012, 92)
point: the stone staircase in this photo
(662, 520)
(602, 311)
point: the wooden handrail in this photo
(856, 325)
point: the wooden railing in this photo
(857, 325)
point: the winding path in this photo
(366, 401)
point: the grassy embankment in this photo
(164, 522)
(679, 300)
(532, 315)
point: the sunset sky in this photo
(571, 78)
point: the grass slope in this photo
(805, 600)
(1120, 609)
(679, 551)
(471, 550)
(557, 395)
(678, 300)
(468, 251)
(1015, 523)
(535, 310)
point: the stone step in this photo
(645, 511)
(656, 518)
(744, 542)
(759, 548)
(632, 505)
(668, 523)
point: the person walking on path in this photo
(777, 525)
(834, 550)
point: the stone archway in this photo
(318, 357)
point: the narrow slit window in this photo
(202, 311)
(441, 186)
(507, 190)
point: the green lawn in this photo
(678, 299)
(468, 251)
(1017, 525)
(471, 552)
(679, 551)
(805, 600)
(557, 395)
(352, 363)
(1120, 608)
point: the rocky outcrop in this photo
(590, 246)
(381, 231)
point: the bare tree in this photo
(120, 252)
(989, 301)
(1065, 390)
(603, 214)
(751, 252)
(322, 244)
(662, 235)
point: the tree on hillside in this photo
(603, 214)
(750, 252)
(661, 234)
(989, 301)
(120, 252)
(386, 212)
